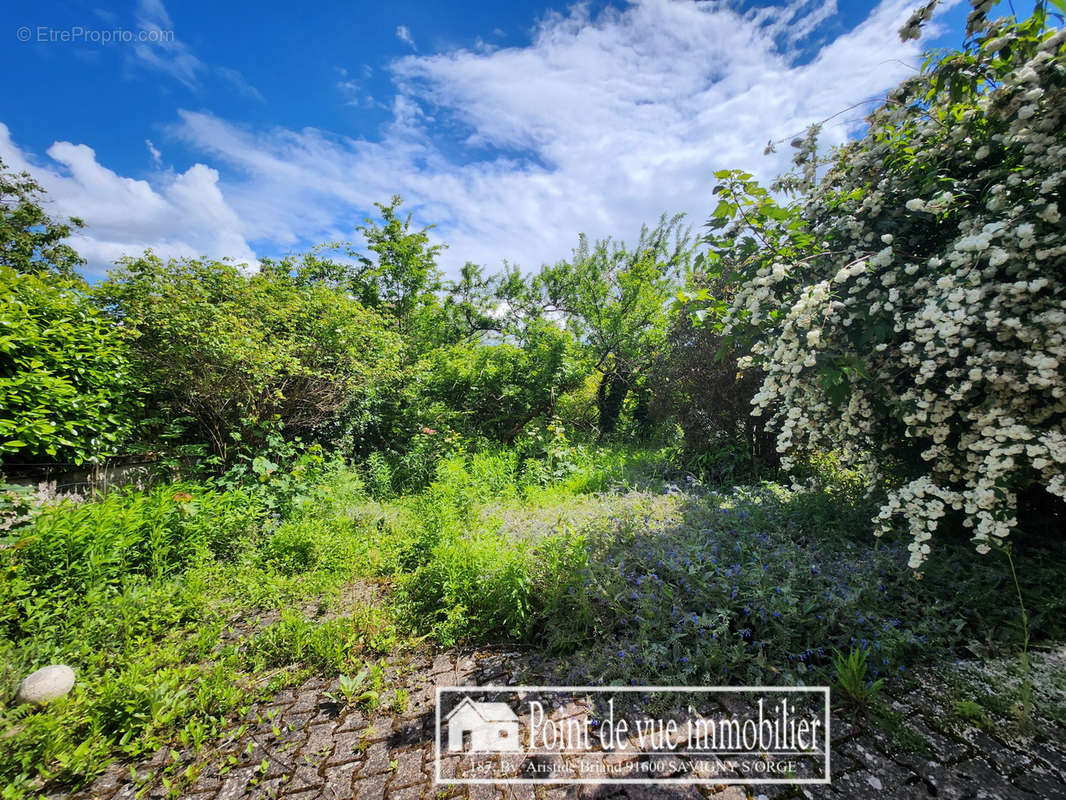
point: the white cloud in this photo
(178, 215)
(153, 151)
(166, 53)
(404, 35)
(605, 123)
(600, 124)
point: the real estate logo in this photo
(633, 734)
(482, 727)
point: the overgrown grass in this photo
(176, 609)
(696, 586)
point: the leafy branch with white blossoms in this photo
(908, 308)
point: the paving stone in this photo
(970, 779)
(328, 714)
(269, 789)
(106, 785)
(376, 731)
(447, 767)
(345, 744)
(1041, 783)
(1055, 759)
(307, 775)
(305, 701)
(377, 759)
(235, 783)
(408, 768)
(372, 788)
(353, 720)
(404, 792)
(442, 663)
(294, 720)
(319, 742)
(290, 792)
(407, 732)
(518, 791)
(862, 785)
(339, 780)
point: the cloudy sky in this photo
(258, 129)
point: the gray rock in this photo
(45, 684)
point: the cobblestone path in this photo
(303, 745)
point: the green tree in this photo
(31, 240)
(223, 353)
(396, 275)
(66, 388)
(614, 300)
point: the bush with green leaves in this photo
(697, 383)
(909, 310)
(494, 389)
(31, 240)
(224, 354)
(66, 388)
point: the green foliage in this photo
(363, 688)
(397, 277)
(613, 299)
(224, 355)
(496, 389)
(906, 310)
(73, 552)
(65, 384)
(749, 586)
(697, 382)
(31, 242)
(378, 476)
(850, 672)
(141, 593)
(327, 647)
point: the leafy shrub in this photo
(378, 476)
(224, 354)
(909, 310)
(577, 409)
(65, 385)
(546, 453)
(495, 389)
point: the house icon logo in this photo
(482, 727)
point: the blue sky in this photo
(261, 128)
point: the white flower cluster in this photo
(932, 333)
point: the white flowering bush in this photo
(909, 311)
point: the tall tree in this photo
(31, 241)
(397, 272)
(615, 301)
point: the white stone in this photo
(47, 683)
(874, 782)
